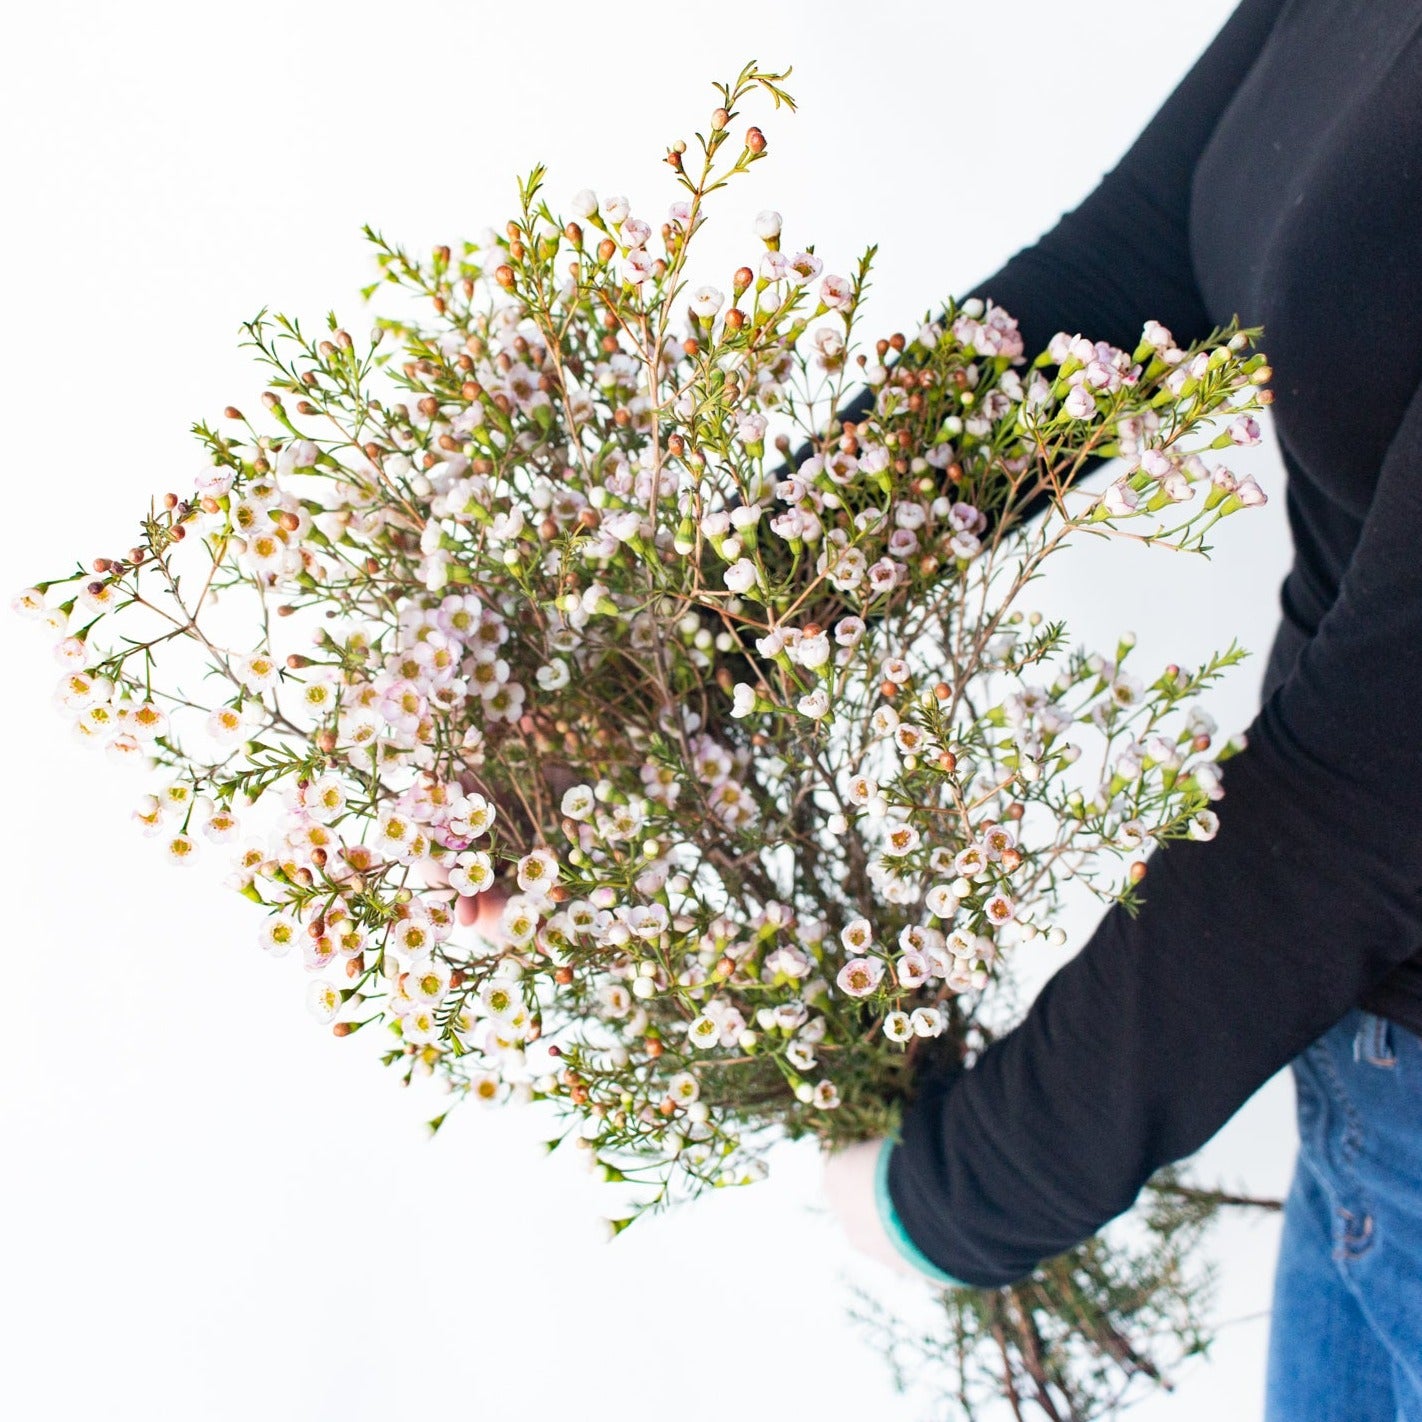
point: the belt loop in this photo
(1374, 1042)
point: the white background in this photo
(211, 1208)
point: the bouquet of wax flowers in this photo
(568, 594)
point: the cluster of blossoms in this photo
(747, 756)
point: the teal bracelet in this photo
(894, 1228)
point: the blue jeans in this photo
(1345, 1342)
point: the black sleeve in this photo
(1122, 257)
(1248, 947)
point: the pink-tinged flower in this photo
(1156, 463)
(635, 232)
(427, 981)
(750, 429)
(538, 870)
(857, 935)
(964, 518)
(805, 266)
(849, 631)
(72, 652)
(898, 1027)
(740, 576)
(815, 704)
(1120, 499)
(970, 862)
(1250, 494)
(911, 969)
(927, 1022)
(615, 209)
(941, 901)
(1080, 404)
(1245, 430)
(1126, 691)
(883, 574)
(999, 909)
(637, 266)
(181, 850)
(836, 292)
(813, 652)
(1154, 334)
(1204, 825)
(323, 1001)
(221, 826)
(706, 301)
(774, 266)
(860, 976)
(29, 602)
(213, 482)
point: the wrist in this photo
(893, 1227)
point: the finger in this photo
(489, 913)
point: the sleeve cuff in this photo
(893, 1227)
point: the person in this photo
(1280, 181)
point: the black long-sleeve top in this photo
(1282, 181)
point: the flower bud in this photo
(767, 225)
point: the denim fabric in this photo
(1345, 1341)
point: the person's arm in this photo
(1247, 948)
(1122, 256)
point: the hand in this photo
(484, 911)
(850, 1191)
